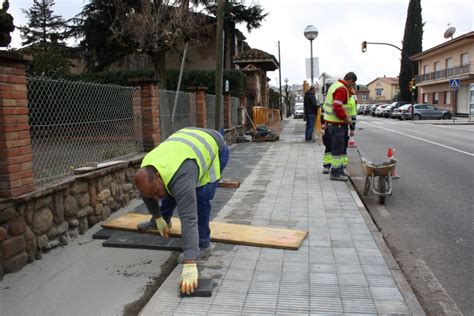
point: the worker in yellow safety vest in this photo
(351, 110)
(182, 172)
(336, 119)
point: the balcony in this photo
(446, 73)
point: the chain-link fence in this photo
(184, 114)
(73, 124)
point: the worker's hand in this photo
(351, 134)
(348, 120)
(163, 228)
(189, 278)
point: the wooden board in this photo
(223, 232)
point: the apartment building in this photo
(383, 90)
(453, 59)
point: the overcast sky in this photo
(342, 26)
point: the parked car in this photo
(388, 112)
(299, 111)
(426, 112)
(360, 108)
(367, 109)
(397, 113)
(379, 109)
(373, 108)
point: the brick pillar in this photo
(227, 110)
(16, 167)
(150, 111)
(200, 104)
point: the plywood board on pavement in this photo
(224, 232)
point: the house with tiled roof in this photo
(383, 89)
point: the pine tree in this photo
(412, 44)
(43, 28)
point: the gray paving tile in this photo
(342, 244)
(267, 276)
(260, 301)
(295, 266)
(395, 307)
(324, 290)
(372, 260)
(354, 291)
(323, 278)
(386, 293)
(293, 303)
(358, 305)
(230, 299)
(238, 286)
(349, 268)
(381, 280)
(325, 304)
(322, 268)
(239, 274)
(292, 289)
(352, 279)
(376, 269)
(217, 310)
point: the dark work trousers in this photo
(327, 158)
(337, 134)
(346, 138)
(310, 119)
(204, 196)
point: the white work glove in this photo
(163, 228)
(189, 278)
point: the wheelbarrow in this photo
(378, 177)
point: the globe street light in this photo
(311, 32)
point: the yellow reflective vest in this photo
(328, 106)
(186, 143)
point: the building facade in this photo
(437, 66)
(383, 90)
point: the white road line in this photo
(444, 300)
(383, 211)
(424, 140)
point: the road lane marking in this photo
(424, 140)
(383, 211)
(444, 299)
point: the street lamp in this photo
(286, 99)
(311, 32)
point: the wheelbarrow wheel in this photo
(382, 186)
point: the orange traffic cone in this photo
(352, 143)
(390, 156)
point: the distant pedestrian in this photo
(337, 122)
(310, 110)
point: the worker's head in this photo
(312, 88)
(350, 78)
(149, 183)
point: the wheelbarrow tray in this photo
(372, 169)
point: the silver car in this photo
(299, 110)
(425, 112)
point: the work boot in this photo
(204, 253)
(326, 169)
(345, 172)
(339, 177)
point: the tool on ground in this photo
(229, 184)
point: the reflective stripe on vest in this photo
(185, 144)
(328, 106)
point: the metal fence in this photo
(236, 111)
(184, 114)
(73, 124)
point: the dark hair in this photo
(350, 76)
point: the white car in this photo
(299, 110)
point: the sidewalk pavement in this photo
(342, 268)
(456, 121)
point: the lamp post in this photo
(286, 99)
(311, 32)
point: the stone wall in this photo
(52, 216)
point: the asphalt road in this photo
(428, 222)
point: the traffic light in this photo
(413, 84)
(364, 46)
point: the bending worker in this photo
(337, 122)
(183, 172)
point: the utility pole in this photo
(219, 62)
(279, 79)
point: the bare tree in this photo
(158, 26)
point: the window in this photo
(449, 63)
(435, 97)
(447, 97)
(465, 59)
(426, 69)
(437, 66)
(425, 97)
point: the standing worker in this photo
(310, 110)
(351, 111)
(183, 172)
(337, 122)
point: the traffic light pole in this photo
(364, 49)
